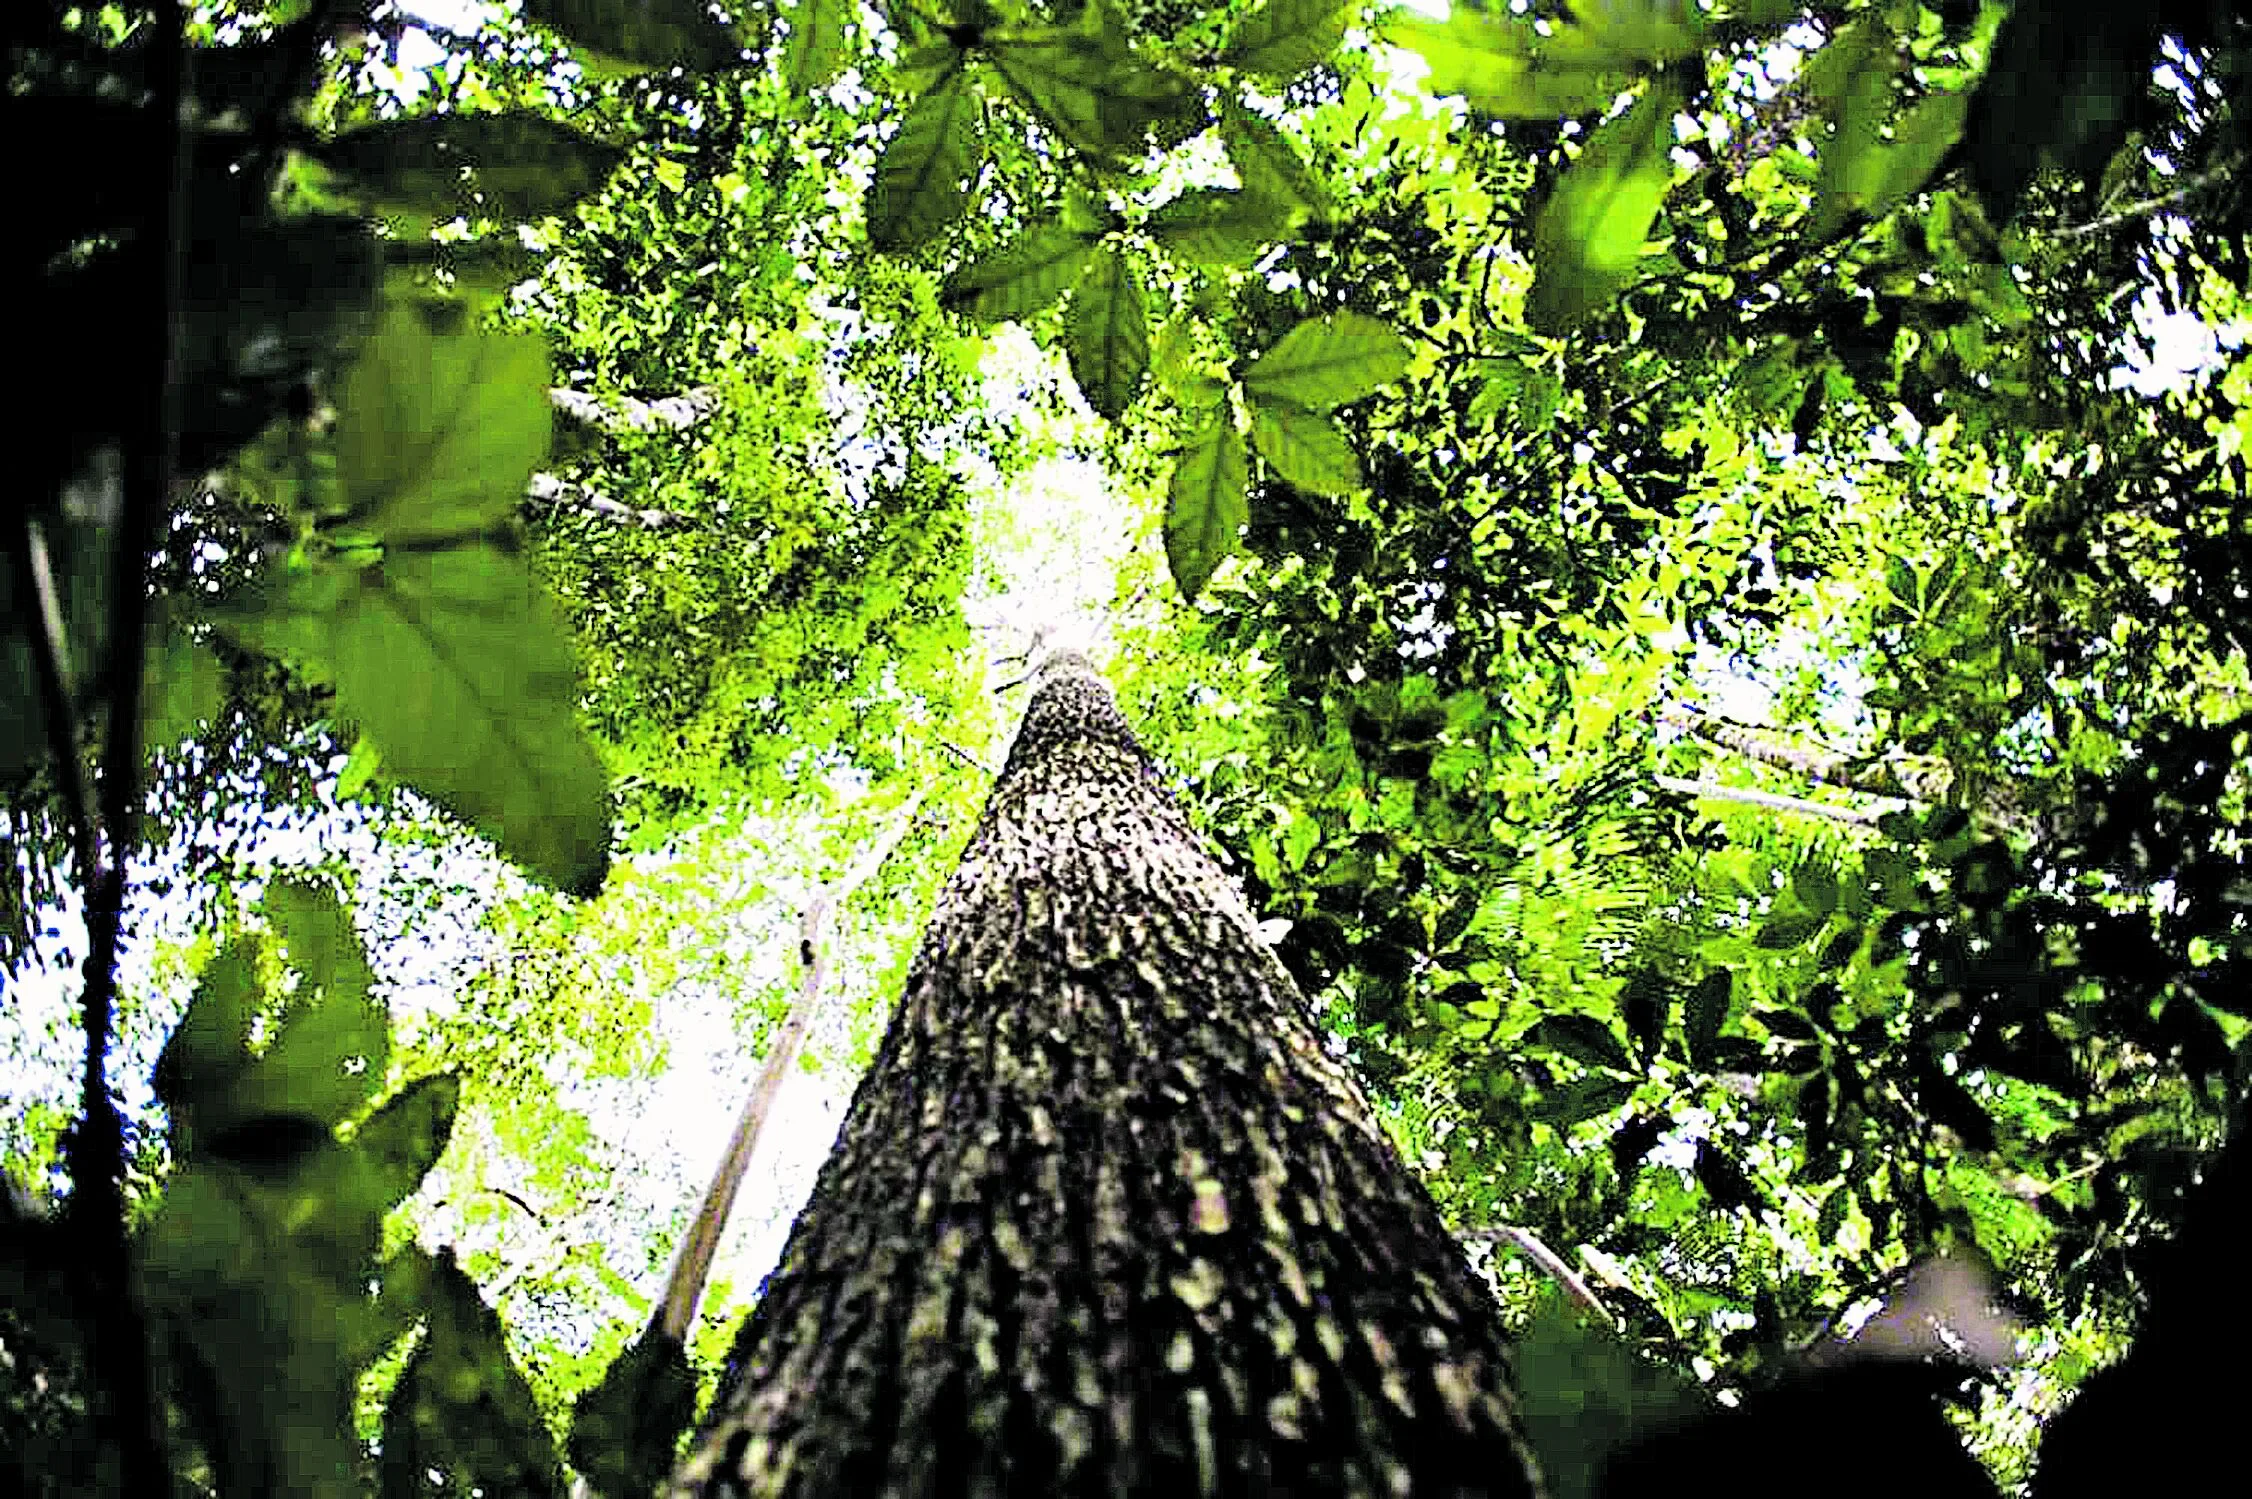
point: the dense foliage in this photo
(1691, 555)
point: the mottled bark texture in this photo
(1106, 1218)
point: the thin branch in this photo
(684, 1287)
(562, 494)
(630, 414)
(1775, 801)
(1548, 1259)
(36, 581)
(963, 755)
(2151, 207)
(131, 1413)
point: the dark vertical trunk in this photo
(1106, 1217)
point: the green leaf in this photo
(1325, 362)
(1645, 1000)
(1497, 64)
(1816, 887)
(1267, 164)
(1284, 38)
(642, 33)
(1703, 1015)
(922, 179)
(815, 50)
(1852, 77)
(1305, 447)
(1587, 1395)
(1107, 334)
(462, 1409)
(1787, 929)
(1584, 1039)
(183, 687)
(1583, 1098)
(1205, 506)
(437, 434)
(455, 663)
(1588, 239)
(403, 1139)
(1022, 277)
(1217, 226)
(625, 1430)
(1094, 93)
(334, 1041)
(210, 1047)
(518, 165)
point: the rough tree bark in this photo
(1106, 1217)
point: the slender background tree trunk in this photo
(1106, 1217)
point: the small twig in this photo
(963, 755)
(684, 1286)
(1548, 1259)
(2150, 207)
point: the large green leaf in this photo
(1094, 92)
(462, 1411)
(1587, 242)
(922, 181)
(625, 1430)
(1283, 38)
(1324, 362)
(1305, 447)
(517, 165)
(1267, 164)
(329, 1054)
(1216, 226)
(642, 33)
(1495, 63)
(403, 1139)
(456, 664)
(1852, 80)
(1107, 334)
(1584, 1039)
(1206, 505)
(815, 51)
(1022, 277)
(437, 434)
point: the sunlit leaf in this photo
(1106, 334)
(456, 664)
(1283, 38)
(815, 50)
(1218, 227)
(1206, 505)
(517, 165)
(1305, 447)
(1022, 277)
(922, 181)
(1268, 165)
(1093, 91)
(1588, 239)
(437, 434)
(1325, 362)
(642, 33)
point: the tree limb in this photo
(2150, 207)
(684, 1286)
(1548, 1259)
(562, 494)
(1775, 801)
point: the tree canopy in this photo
(1690, 557)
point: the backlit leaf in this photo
(1588, 239)
(1216, 226)
(922, 178)
(511, 166)
(1283, 38)
(1107, 334)
(815, 50)
(1020, 278)
(1325, 362)
(642, 33)
(1205, 506)
(1305, 447)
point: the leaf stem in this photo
(36, 582)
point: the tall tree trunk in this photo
(1106, 1217)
